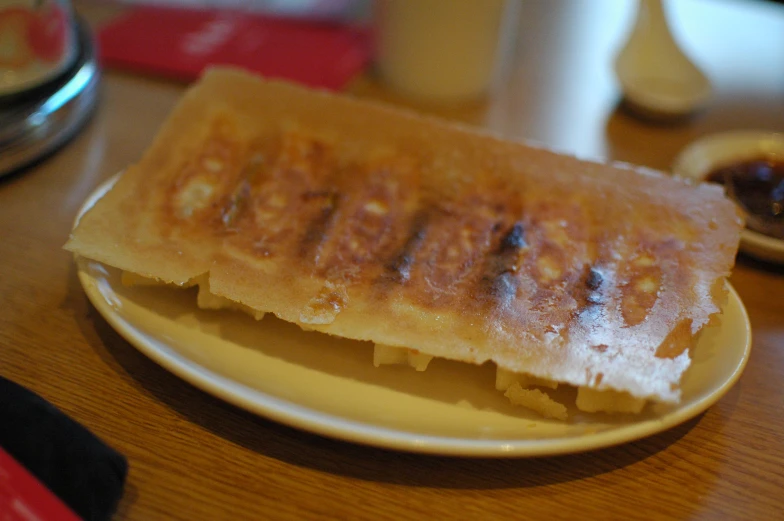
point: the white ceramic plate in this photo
(699, 158)
(329, 386)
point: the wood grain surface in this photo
(195, 457)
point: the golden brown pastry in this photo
(370, 223)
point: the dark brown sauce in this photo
(758, 186)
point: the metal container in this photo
(38, 43)
(37, 121)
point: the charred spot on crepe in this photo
(498, 284)
(595, 279)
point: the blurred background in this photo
(537, 70)
(553, 79)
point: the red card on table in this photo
(24, 498)
(180, 43)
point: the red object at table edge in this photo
(179, 43)
(24, 498)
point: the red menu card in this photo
(23, 498)
(180, 43)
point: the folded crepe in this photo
(426, 238)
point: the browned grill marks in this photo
(364, 229)
(194, 195)
(400, 266)
(451, 259)
(305, 197)
(316, 230)
(281, 200)
(236, 201)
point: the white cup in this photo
(438, 50)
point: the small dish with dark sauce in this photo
(750, 166)
(757, 185)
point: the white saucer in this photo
(699, 158)
(329, 386)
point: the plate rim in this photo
(332, 426)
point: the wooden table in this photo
(194, 457)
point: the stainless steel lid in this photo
(35, 123)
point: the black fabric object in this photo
(80, 469)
